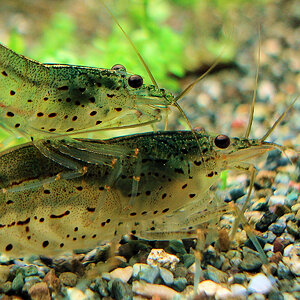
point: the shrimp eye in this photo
(222, 141)
(135, 81)
(118, 67)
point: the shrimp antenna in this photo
(149, 72)
(132, 45)
(191, 85)
(278, 120)
(250, 121)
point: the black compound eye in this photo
(118, 67)
(135, 81)
(222, 141)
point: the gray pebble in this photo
(148, 273)
(251, 262)
(275, 295)
(30, 271)
(283, 271)
(17, 283)
(215, 275)
(180, 271)
(292, 228)
(239, 278)
(278, 227)
(236, 194)
(269, 237)
(179, 284)
(188, 260)
(101, 287)
(166, 275)
(177, 246)
(121, 290)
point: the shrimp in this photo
(40, 214)
(39, 99)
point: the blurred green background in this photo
(177, 38)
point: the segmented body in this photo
(38, 99)
(67, 214)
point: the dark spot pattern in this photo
(63, 88)
(45, 244)
(9, 247)
(67, 212)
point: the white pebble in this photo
(260, 283)
(222, 293)
(238, 290)
(122, 273)
(153, 290)
(159, 257)
(277, 200)
(287, 250)
(75, 294)
(208, 287)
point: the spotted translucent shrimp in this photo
(39, 99)
(42, 215)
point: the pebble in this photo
(222, 293)
(287, 250)
(179, 284)
(215, 275)
(145, 272)
(123, 274)
(188, 260)
(101, 287)
(292, 228)
(154, 291)
(68, 278)
(177, 246)
(166, 275)
(76, 294)
(39, 291)
(17, 283)
(238, 290)
(256, 296)
(30, 271)
(208, 287)
(278, 227)
(276, 200)
(260, 204)
(4, 273)
(5, 287)
(159, 257)
(267, 219)
(29, 282)
(239, 278)
(260, 283)
(52, 281)
(269, 237)
(121, 290)
(251, 262)
(283, 271)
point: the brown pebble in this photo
(68, 278)
(278, 245)
(52, 281)
(39, 291)
(276, 257)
